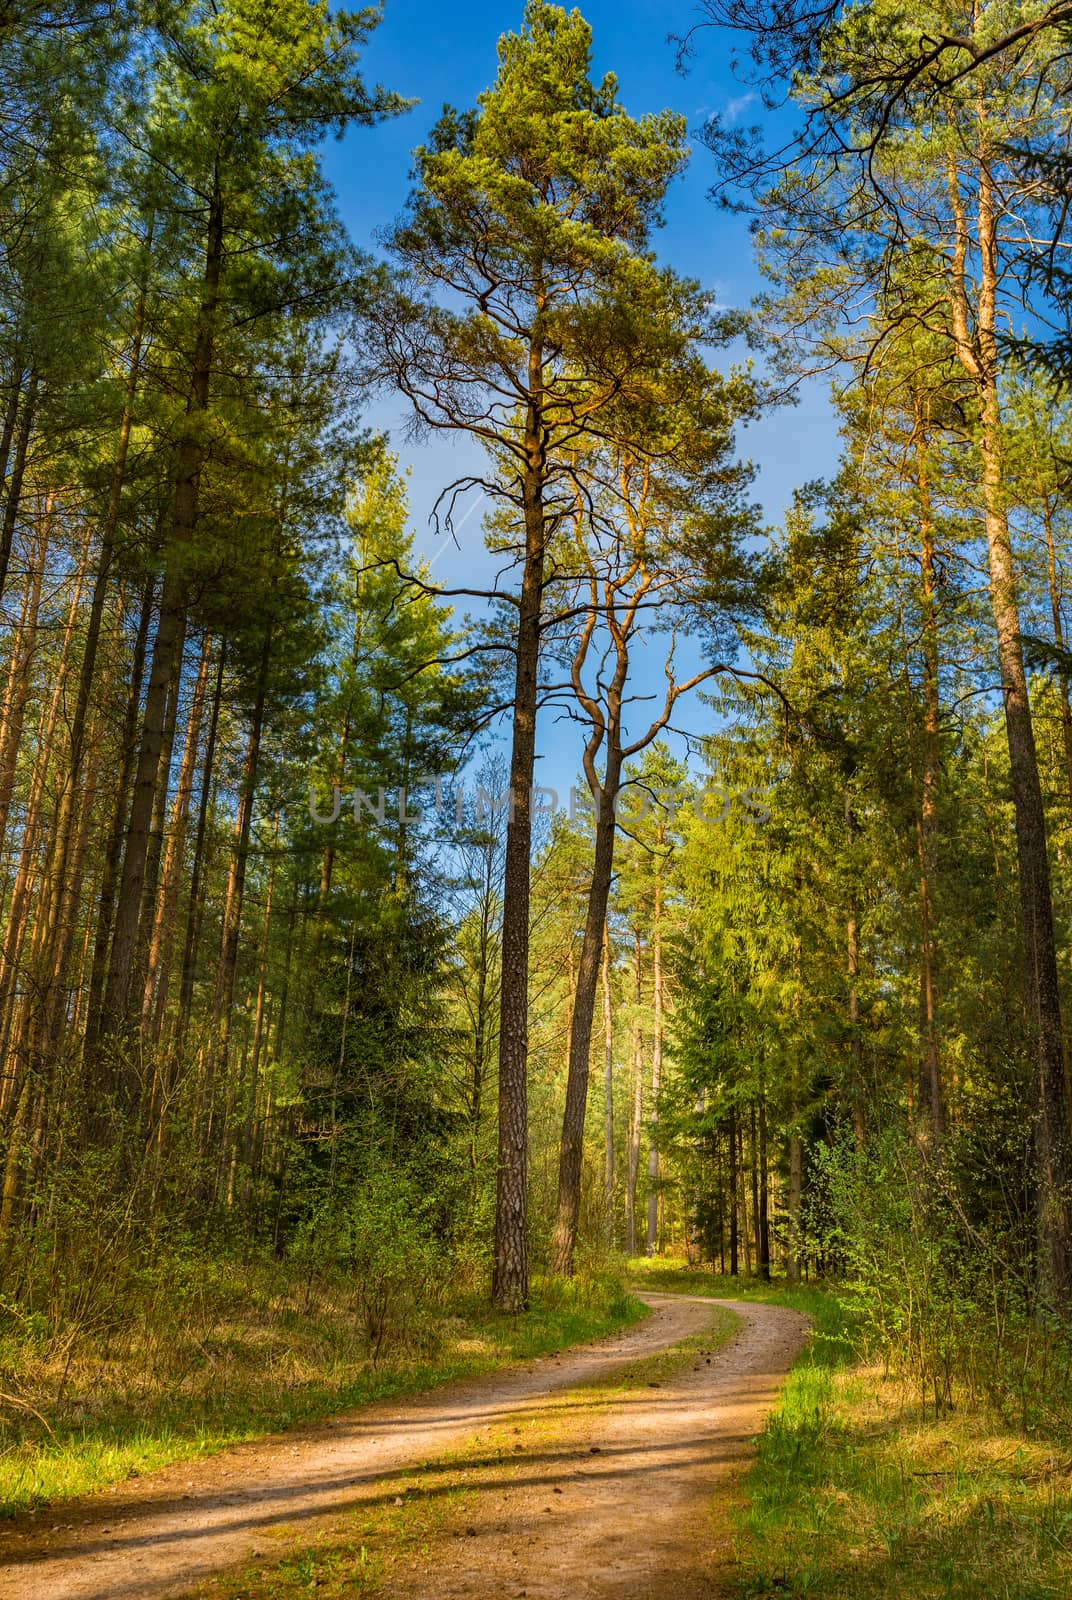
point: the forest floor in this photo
(611, 1469)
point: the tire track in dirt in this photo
(636, 1521)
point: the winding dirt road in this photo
(629, 1500)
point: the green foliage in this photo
(380, 1232)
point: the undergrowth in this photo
(859, 1492)
(238, 1350)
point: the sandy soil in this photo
(627, 1514)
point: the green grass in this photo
(855, 1495)
(122, 1415)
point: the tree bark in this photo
(510, 1279)
(1058, 636)
(608, 1095)
(656, 1058)
(571, 1151)
(170, 637)
(193, 915)
(162, 939)
(18, 472)
(764, 1194)
(734, 1214)
(636, 1117)
(796, 1169)
(113, 851)
(979, 357)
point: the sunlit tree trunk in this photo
(608, 1094)
(979, 357)
(656, 1054)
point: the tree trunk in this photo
(745, 1232)
(796, 1173)
(608, 1095)
(167, 653)
(636, 1117)
(11, 410)
(510, 1280)
(571, 1152)
(193, 914)
(656, 1061)
(110, 871)
(18, 472)
(764, 1194)
(68, 823)
(734, 1225)
(162, 940)
(223, 999)
(979, 356)
(20, 678)
(1058, 636)
(754, 1166)
(170, 636)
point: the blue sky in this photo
(439, 53)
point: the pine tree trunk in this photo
(979, 356)
(167, 654)
(192, 934)
(9, 521)
(571, 1153)
(68, 823)
(117, 830)
(745, 1231)
(150, 903)
(20, 677)
(510, 1280)
(168, 645)
(636, 1117)
(764, 1194)
(734, 1225)
(796, 1173)
(931, 1120)
(753, 1149)
(162, 940)
(250, 1121)
(11, 410)
(656, 1061)
(608, 1095)
(19, 999)
(1058, 637)
(217, 1054)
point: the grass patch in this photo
(263, 1353)
(855, 1495)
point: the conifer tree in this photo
(527, 316)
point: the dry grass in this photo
(233, 1351)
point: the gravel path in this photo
(632, 1518)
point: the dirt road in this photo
(627, 1514)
